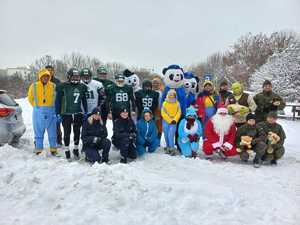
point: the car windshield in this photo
(7, 100)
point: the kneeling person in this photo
(220, 132)
(124, 136)
(275, 138)
(189, 133)
(251, 138)
(94, 138)
(146, 133)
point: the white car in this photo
(12, 126)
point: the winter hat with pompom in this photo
(251, 116)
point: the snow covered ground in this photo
(159, 189)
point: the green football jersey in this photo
(147, 99)
(106, 83)
(71, 98)
(120, 97)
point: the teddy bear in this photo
(245, 143)
(273, 139)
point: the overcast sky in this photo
(137, 33)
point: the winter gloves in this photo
(173, 122)
(193, 137)
(97, 140)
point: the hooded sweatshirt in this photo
(40, 94)
(171, 108)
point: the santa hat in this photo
(222, 110)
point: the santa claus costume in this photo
(220, 132)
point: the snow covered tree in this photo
(283, 69)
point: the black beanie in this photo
(273, 114)
(223, 83)
(267, 82)
(251, 116)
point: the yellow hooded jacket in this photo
(170, 110)
(40, 94)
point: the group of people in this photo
(229, 123)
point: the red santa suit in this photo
(220, 132)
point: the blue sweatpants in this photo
(169, 133)
(188, 147)
(44, 119)
(151, 148)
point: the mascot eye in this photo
(134, 80)
(181, 76)
(171, 76)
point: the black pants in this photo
(127, 148)
(92, 152)
(68, 121)
(58, 134)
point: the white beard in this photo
(222, 124)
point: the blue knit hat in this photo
(191, 111)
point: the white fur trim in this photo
(184, 140)
(222, 110)
(228, 145)
(216, 145)
(193, 129)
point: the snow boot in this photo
(221, 153)
(244, 155)
(167, 150)
(273, 162)
(76, 154)
(68, 155)
(54, 151)
(123, 160)
(173, 151)
(257, 163)
(194, 154)
(38, 151)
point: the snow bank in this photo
(158, 189)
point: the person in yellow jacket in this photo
(171, 113)
(41, 95)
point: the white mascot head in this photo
(173, 76)
(190, 83)
(132, 80)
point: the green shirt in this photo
(148, 99)
(70, 98)
(120, 97)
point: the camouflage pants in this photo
(259, 149)
(277, 153)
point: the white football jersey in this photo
(92, 95)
